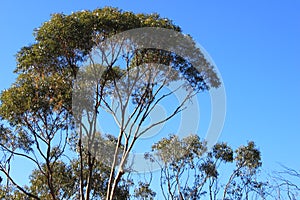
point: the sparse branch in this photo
(232, 176)
(18, 186)
(21, 154)
(177, 110)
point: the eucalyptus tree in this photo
(37, 115)
(191, 171)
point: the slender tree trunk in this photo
(115, 183)
(49, 170)
(178, 185)
(228, 183)
(91, 162)
(110, 185)
(81, 194)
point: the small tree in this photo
(189, 171)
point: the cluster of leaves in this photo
(66, 40)
(143, 191)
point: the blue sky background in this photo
(255, 44)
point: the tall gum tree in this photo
(36, 111)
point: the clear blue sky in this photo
(255, 44)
